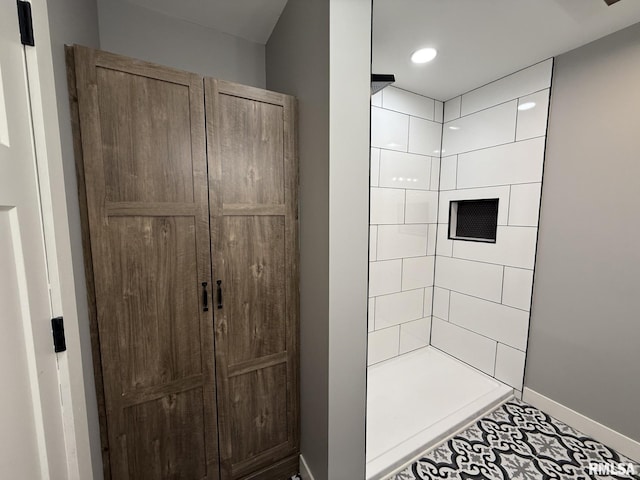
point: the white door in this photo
(31, 435)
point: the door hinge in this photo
(26, 23)
(59, 342)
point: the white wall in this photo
(405, 139)
(349, 80)
(482, 292)
(138, 32)
(69, 21)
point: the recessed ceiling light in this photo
(424, 55)
(527, 106)
(453, 127)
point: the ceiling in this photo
(482, 40)
(249, 19)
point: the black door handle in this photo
(205, 298)
(219, 282)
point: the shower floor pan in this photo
(416, 400)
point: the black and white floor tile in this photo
(519, 442)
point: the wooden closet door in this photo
(145, 174)
(253, 195)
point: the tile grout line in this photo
(479, 334)
(481, 187)
(484, 109)
(515, 132)
(481, 298)
(486, 243)
(404, 210)
(502, 290)
(478, 149)
(457, 166)
(509, 205)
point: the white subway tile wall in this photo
(524, 204)
(385, 277)
(441, 303)
(383, 344)
(509, 366)
(389, 130)
(464, 344)
(505, 324)
(469, 299)
(486, 128)
(516, 291)
(404, 170)
(424, 136)
(387, 206)
(398, 308)
(375, 167)
(371, 313)
(414, 334)
(406, 132)
(452, 109)
(422, 207)
(479, 279)
(407, 102)
(498, 140)
(532, 115)
(417, 272)
(448, 172)
(519, 84)
(508, 164)
(401, 241)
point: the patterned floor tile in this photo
(519, 442)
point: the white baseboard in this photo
(305, 473)
(619, 442)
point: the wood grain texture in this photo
(148, 218)
(251, 133)
(165, 437)
(253, 204)
(87, 258)
(146, 143)
(282, 469)
(143, 159)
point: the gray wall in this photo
(297, 63)
(131, 30)
(320, 52)
(76, 21)
(584, 346)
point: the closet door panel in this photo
(254, 280)
(153, 271)
(166, 437)
(253, 201)
(146, 144)
(261, 405)
(144, 177)
(251, 133)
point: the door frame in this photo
(57, 239)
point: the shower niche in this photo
(473, 220)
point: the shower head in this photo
(379, 81)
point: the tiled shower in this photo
(467, 297)
(406, 135)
